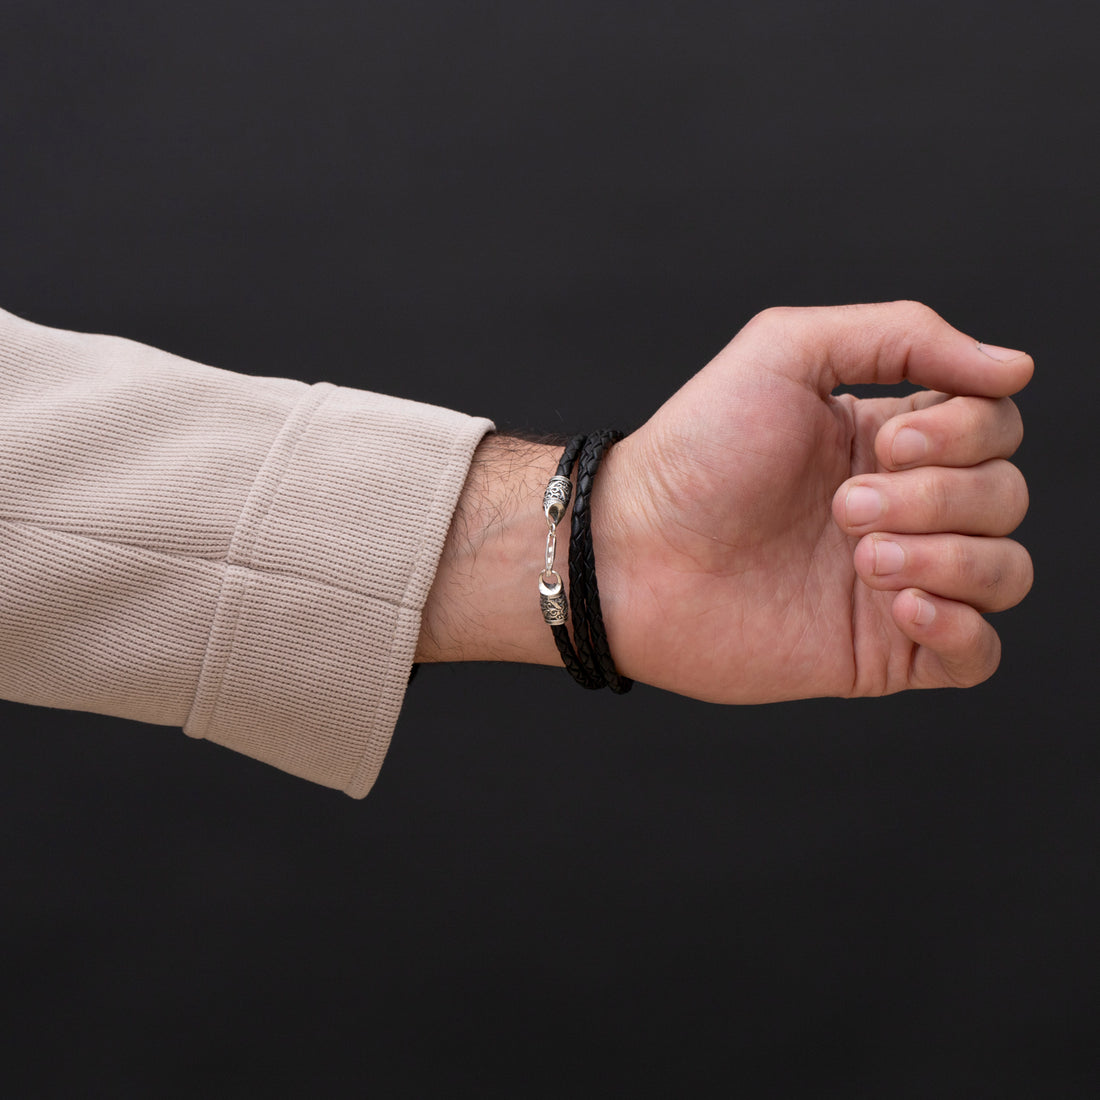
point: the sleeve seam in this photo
(265, 485)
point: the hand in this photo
(739, 559)
(732, 563)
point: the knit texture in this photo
(244, 557)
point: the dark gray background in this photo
(551, 894)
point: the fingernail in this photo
(924, 613)
(1002, 355)
(889, 557)
(862, 505)
(909, 446)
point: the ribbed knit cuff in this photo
(318, 618)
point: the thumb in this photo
(887, 342)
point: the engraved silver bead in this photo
(556, 498)
(555, 607)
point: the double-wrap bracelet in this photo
(587, 656)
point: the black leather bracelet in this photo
(587, 657)
(589, 633)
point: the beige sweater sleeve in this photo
(244, 557)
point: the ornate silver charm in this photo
(556, 498)
(552, 599)
(555, 607)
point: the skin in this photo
(733, 565)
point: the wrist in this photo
(484, 603)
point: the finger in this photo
(887, 342)
(990, 574)
(960, 432)
(956, 646)
(987, 499)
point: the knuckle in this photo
(1024, 495)
(972, 634)
(982, 577)
(993, 586)
(993, 574)
(939, 498)
(1013, 424)
(969, 575)
(1020, 500)
(992, 659)
(771, 317)
(974, 427)
(974, 414)
(1021, 576)
(914, 314)
(1005, 487)
(983, 650)
(769, 325)
(1027, 571)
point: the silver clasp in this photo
(555, 607)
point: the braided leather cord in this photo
(589, 633)
(586, 674)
